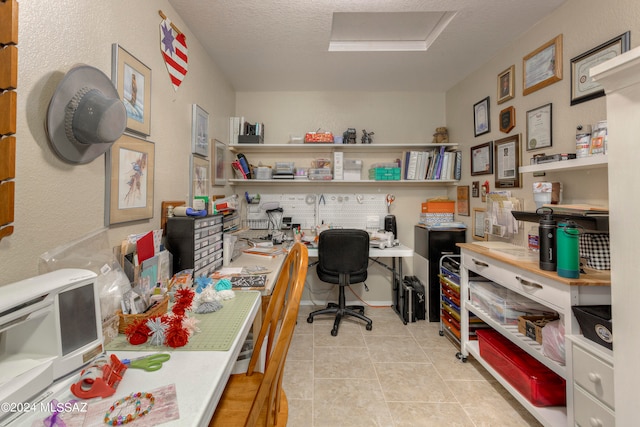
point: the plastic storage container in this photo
(504, 305)
(537, 383)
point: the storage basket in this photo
(128, 319)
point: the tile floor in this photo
(395, 375)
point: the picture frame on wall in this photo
(475, 189)
(132, 80)
(506, 84)
(507, 119)
(543, 66)
(583, 87)
(482, 159)
(539, 127)
(462, 201)
(218, 171)
(507, 158)
(481, 122)
(199, 177)
(200, 131)
(478, 224)
(130, 167)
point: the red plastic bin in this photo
(539, 384)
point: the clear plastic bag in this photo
(91, 252)
(553, 341)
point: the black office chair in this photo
(343, 257)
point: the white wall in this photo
(57, 202)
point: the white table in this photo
(199, 376)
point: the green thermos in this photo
(568, 244)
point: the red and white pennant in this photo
(173, 45)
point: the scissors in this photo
(152, 362)
(390, 198)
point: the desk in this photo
(395, 253)
(199, 378)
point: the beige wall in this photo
(395, 117)
(584, 25)
(57, 202)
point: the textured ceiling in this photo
(280, 45)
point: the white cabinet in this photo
(375, 153)
(523, 277)
(593, 392)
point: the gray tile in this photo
(298, 379)
(300, 413)
(389, 348)
(301, 348)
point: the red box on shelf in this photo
(539, 384)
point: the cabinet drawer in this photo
(552, 294)
(593, 375)
(588, 412)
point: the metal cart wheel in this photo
(461, 357)
(441, 333)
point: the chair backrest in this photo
(343, 251)
(278, 323)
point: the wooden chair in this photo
(255, 398)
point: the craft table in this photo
(199, 378)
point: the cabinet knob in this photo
(594, 378)
(595, 422)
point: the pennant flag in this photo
(173, 45)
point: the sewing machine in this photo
(50, 326)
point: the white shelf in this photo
(551, 416)
(527, 344)
(368, 182)
(298, 148)
(592, 162)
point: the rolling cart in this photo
(450, 303)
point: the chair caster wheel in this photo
(368, 327)
(334, 332)
(309, 319)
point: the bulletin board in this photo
(342, 210)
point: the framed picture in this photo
(218, 171)
(583, 88)
(539, 127)
(130, 171)
(481, 124)
(482, 159)
(199, 177)
(543, 66)
(132, 79)
(506, 84)
(477, 226)
(507, 158)
(200, 131)
(507, 119)
(475, 189)
(462, 201)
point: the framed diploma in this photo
(583, 88)
(507, 158)
(482, 159)
(539, 127)
(478, 224)
(543, 66)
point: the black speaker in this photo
(390, 225)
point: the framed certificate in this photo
(543, 66)
(539, 127)
(583, 88)
(507, 158)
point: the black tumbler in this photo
(547, 236)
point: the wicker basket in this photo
(127, 319)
